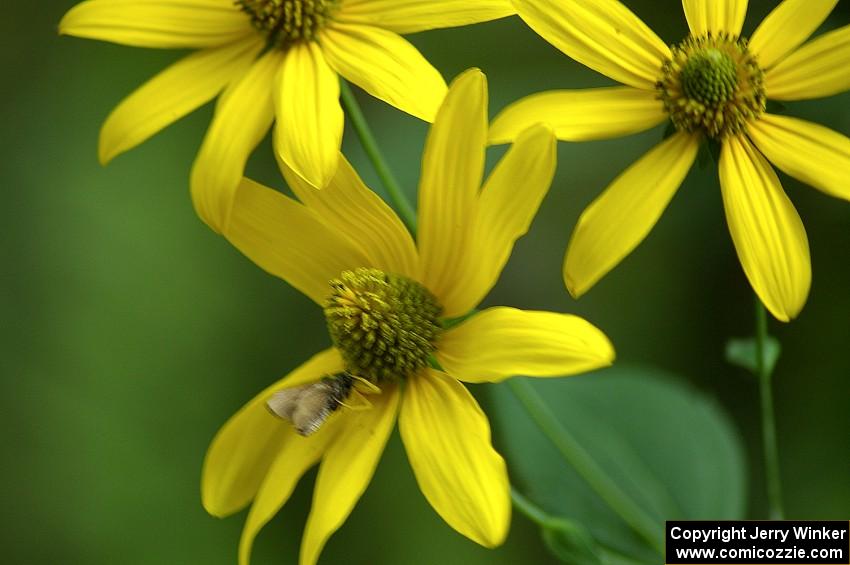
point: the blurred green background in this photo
(131, 332)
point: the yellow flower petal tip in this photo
(495, 537)
(787, 312)
(72, 20)
(211, 508)
(607, 352)
(316, 180)
(105, 152)
(470, 74)
(539, 129)
(67, 22)
(577, 286)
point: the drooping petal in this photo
(173, 93)
(506, 207)
(243, 449)
(296, 455)
(447, 439)
(622, 216)
(581, 115)
(170, 24)
(786, 27)
(411, 16)
(347, 468)
(715, 16)
(817, 69)
(309, 117)
(452, 167)
(809, 152)
(386, 66)
(501, 342)
(243, 115)
(350, 207)
(603, 35)
(768, 234)
(289, 240)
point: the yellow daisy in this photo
(712, 86)
(386, 300)
(272, 61)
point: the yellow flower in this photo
(271, 60)
(713, 85)
(385, 300)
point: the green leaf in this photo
(704, 158)
(571, 543)
(741, 352)
(774, 107)
(667, 446)
(708, 154)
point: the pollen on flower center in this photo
(385, 325)
(288, 21)
(710, 76)
(712, 84)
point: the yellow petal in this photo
(386, 66)
(581, 115)
(786, 27)
(347, 468)
(506, 207)
(173, 93)
(243, 115)
(768, 234)
(295, 456)
(501, 342)
(603, 35)
(452, 167)
(309, 117)
(289, 240)
(447, 439)
(410, 16)
(351, 208)
(618, 220)
(715, 16)
(158, 23)
(243, 449)
(809, 152)
(817, 69)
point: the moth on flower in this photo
(386, 300)
(272, 61)
(713, 86)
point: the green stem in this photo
(528, 508)
(543, 520)
(586, 466)
(367, 140)
(768, 420)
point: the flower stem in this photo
(367, 140)
(586, 466)
(768, 421)
(528, 508)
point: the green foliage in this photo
(667, 446)
(571, 542)
(709, 154)
(741, 352)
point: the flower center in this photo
(288, 21)
(386, 326)
(712, 84)
(710, 77)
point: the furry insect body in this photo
(307, 407)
